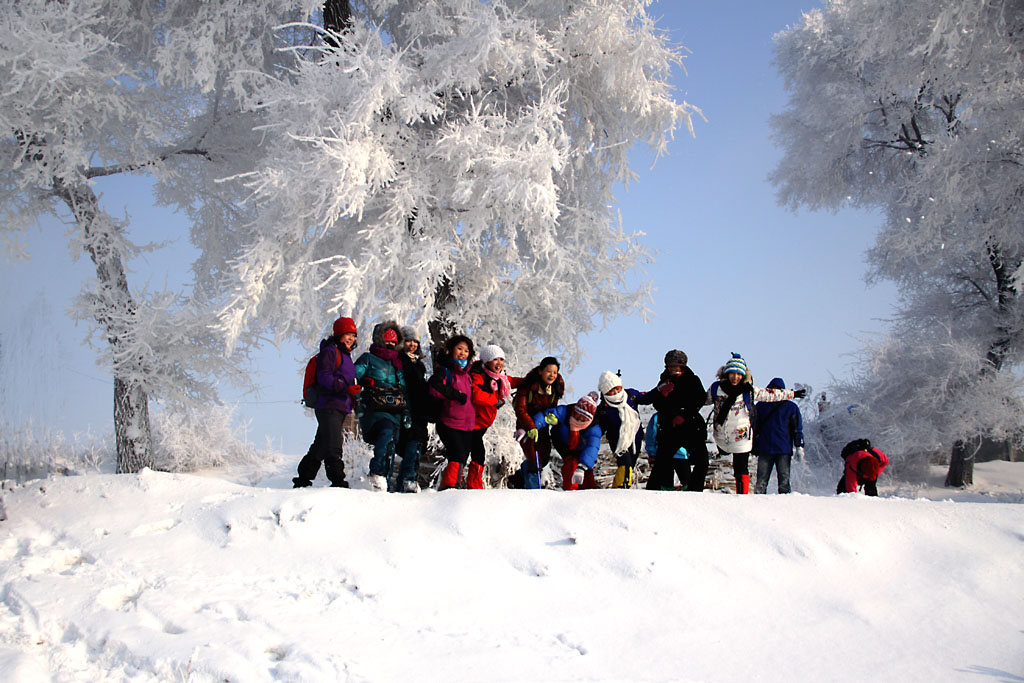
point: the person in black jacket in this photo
(678, 399)
(412, 440)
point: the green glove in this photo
(532, 434)
(551, 419)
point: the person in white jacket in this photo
(733, 397)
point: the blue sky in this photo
(732, 272)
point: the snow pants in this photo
(765, 462)
(381, 431)
(326, 448)
(412, 442)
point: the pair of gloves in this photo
(532, 434)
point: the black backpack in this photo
(858, 445)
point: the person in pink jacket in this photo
(862, 464)
(452, 387)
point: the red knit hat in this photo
(585, 407)
(343, 326)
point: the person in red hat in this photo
(862, 465)
(335, 379)
(576, 437)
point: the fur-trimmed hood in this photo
(379, 329)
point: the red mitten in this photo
(354, 389)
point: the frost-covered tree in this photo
(453, 162)
(96, 88)
(914, 108)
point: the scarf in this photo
(629, 418)
(575, 427)
(387, 354)
(731, 392)
(505, 389)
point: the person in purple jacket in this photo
(336, 376)
(452, 387)
(778, 429)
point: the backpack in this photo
(859, 445)
(310, 388)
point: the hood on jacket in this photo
(777, 383)
(378, 333)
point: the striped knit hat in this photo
(735, 364)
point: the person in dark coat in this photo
(412, 440)
(678, 399)
(541, 388)
(621, 425)
(778, 429)
(335, 376)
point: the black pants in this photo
(870, 486)
(476, 449)
(457, 443)
(669, 441)
(326, 449)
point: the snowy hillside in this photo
(163, 577)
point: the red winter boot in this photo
(450, 478)
(475, 478)
(743, 484)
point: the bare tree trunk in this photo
(961, 467)
(961, 462)
(115, 310)
(441, 326)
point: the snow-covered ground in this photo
(164, 577)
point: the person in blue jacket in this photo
(778, 429)
(620, 423)
(576, 437)
(336, 376)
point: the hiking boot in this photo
(378, 483)
(411, 486)
(300, 483)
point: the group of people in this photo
(389, 390)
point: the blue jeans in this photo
(382, 434)
(781, 462)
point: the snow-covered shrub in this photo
(200, 436)
(30, 452)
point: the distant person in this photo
(335, 379)
(452, 386)
(541, 388)
(823, 403)
(733, 396)
(384, 402)
(412, 440)
(678, 398)
(621, 426)
(576, 437)
(862, 464)
(492, 389)
(778, 430)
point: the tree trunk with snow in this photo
(114, 309)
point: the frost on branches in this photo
(453, 162)
(915, 108)
(96, 88)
